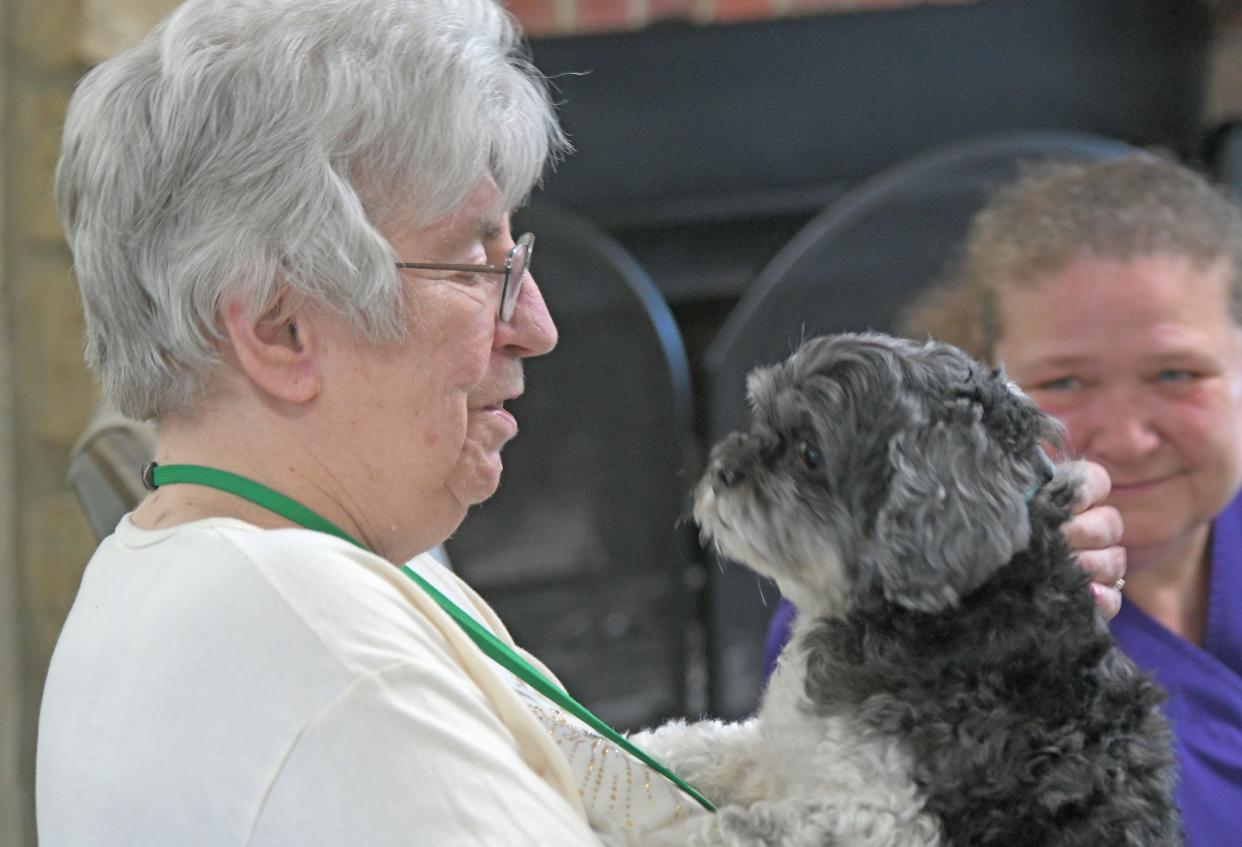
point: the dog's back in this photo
(1024, 722)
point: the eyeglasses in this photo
(517, 263)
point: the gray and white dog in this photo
(949, 680)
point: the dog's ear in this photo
(955, 513)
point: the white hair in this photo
(248, 144)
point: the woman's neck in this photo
(308, 457)
(180, 504)
(1170, 582)
(280, 463)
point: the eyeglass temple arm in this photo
(435, 266)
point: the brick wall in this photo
(564, 17)
(13, 802)
(108, 24)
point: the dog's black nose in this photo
(728, 475)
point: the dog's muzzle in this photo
(726, 474)
(727, 468)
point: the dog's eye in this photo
(811, 457)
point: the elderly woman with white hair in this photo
(290, 228)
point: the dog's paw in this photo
(722, 760)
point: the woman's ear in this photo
(278, 351)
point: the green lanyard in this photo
(153, 476)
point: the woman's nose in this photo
(530, 331)
(1121, 431)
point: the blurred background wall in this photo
(46, 393)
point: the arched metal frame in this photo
(582, 551)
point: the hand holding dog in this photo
(1094, 534)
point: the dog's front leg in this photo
(722, 760)
(801, 822)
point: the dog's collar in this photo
(1051, 470)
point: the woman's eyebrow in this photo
(489, 229)
(1060, 362)
(467, 236)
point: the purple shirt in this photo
(1204, 685)
(778, 634)
(1205, 691)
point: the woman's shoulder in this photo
(306, 584)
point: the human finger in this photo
(1106, 567)
(1107, 600)
(1094, 487)
(1094, 529)
(1107, 570)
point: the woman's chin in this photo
(476, 477)
(1148, 529)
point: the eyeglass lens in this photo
(513, 279)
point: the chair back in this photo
(105, 467)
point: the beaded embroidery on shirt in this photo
(620, 794)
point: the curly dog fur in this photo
(949, 680)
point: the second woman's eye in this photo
(1174, 375)
(1063, 383)
(811, 457)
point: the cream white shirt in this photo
(220, 684)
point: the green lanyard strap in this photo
(153, 476)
